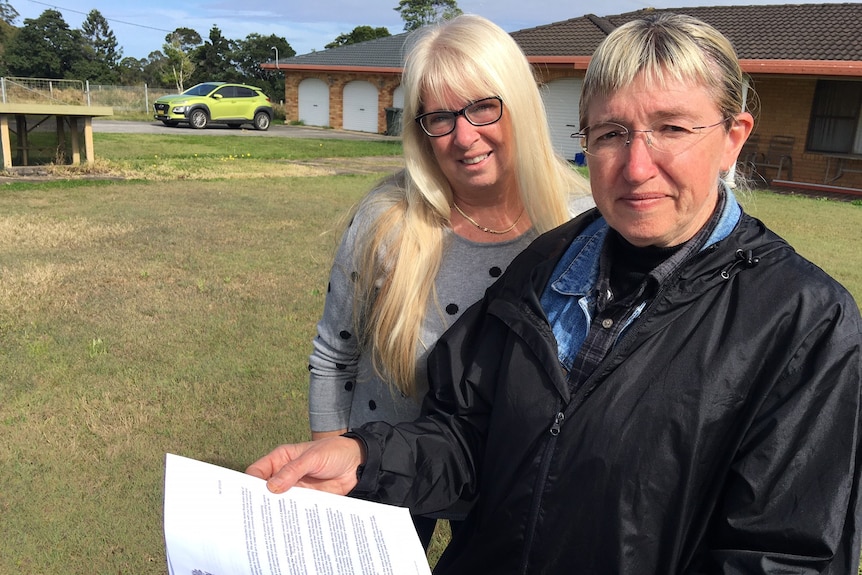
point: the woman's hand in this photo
(326, 465)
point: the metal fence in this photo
(15, 90)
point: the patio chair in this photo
(778, 156)
(748, 156)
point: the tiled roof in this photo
(780, 32)
(379, 53)
(769, 32)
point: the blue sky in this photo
(308, 25)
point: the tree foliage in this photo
(8, 14)
(418, 13)
(45, 47)
(256, 49)
(359, 34)
(101, 52)
(213, 60)
(178, 47)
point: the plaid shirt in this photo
(610, 317)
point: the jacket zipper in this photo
(538, 488)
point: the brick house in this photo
(804, 62)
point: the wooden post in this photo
(60, 150)
(88, 139)
(76, 145)
(23, 140)
(5, 141)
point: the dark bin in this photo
(393, 121)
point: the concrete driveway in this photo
(275, 131)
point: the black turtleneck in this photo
(631, 264)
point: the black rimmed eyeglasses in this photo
(479, 113)
(609, 138)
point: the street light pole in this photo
(276, 57)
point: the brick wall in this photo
(784, 109)
(386, 84)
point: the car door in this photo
(227, 106)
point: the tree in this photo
(45, 47)
(8, 14)
(418, 13)
(102, 53)
(359, 34)
(213, 59)
(255, 49)
(130, 71)
(154, 66)
(7, 33)
(179, 66)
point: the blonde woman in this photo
(481, 182)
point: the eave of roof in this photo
(750, 66)
(802, 67)
(331, 68)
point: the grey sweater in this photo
(345, 391)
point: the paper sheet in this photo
(223, 522)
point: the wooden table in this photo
(64, 116)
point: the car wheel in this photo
(170, 123)
(198, 119)
(261, 121)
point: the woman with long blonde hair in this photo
(481, 181)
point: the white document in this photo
(223, 522)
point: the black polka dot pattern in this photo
(344, 334)
(495, 272)
(340, 366)
(348, 386)
(452, 309)
(372, 405)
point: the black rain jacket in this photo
(720, 435)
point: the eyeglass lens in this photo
(479, 113)
(610, 138)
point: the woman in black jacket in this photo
(659, 386)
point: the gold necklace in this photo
(489, 230)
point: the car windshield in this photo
(200, 90)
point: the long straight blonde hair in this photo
(399, 257)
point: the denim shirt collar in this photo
(578, 270)
(568, 297)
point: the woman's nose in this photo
(465, 133)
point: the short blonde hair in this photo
(677, 45)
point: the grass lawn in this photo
(170, 308)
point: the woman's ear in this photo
(739, 131)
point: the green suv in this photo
(216, 102)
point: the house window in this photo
(836, 118)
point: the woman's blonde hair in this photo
(467, 57)
(675, 45)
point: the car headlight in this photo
(180, 109)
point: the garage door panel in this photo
(562, 99)
(314, 102)
(361, 105)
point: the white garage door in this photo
(360, 106)
(561, 98)
(314, 102)
(398, 98)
